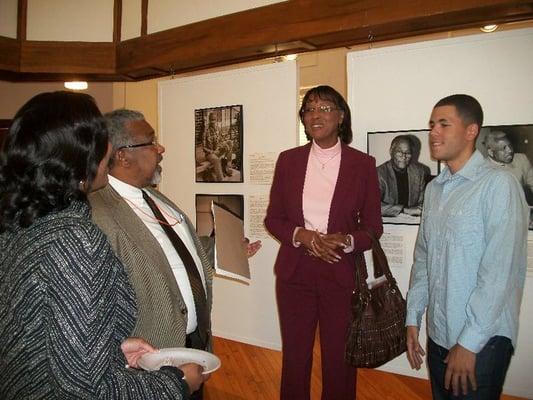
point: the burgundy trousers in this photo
(312, 296)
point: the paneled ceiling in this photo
(293, 26)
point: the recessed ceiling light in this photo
(76, 85)
(489, 28)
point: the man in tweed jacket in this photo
(163, 293)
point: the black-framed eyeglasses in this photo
(133, 146)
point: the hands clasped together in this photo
(324, 246)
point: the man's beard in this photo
(156, 177)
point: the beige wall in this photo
(324, 68)
(167, 14)
(8, 18)
(92, 20)
(67, 20)
(131, 19)
(14, 95)
(140, 96)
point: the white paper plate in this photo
(176, 356)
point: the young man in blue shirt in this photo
(469, 261)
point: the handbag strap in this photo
(360, 282)
(381, 265)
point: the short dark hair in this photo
(56, 141)
(325, 92)
(468, 108)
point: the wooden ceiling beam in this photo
(67, 57)
(9, 54)
(245, 36)
(423, 24)
(117, 21)
(22, 19)
(60, 77)
(294, 26)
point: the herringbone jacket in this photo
(162, 314)
(65, 308)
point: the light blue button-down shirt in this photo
(470, 256)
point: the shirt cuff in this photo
(349, 248)
(294, 242)
(412, 319)
(472, 340)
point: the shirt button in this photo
(183, 311)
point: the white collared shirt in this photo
(133, 197)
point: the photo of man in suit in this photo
(402, 180)
(168, 265)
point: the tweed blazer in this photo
(162, 313)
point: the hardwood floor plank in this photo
(254, 373)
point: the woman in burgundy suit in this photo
(319, 192)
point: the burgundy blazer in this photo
(356, 193)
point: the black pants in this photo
(491, 366)
(193, 341)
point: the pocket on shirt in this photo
(463, 227)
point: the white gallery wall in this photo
(395, 88)
(268, 95)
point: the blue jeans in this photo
(491, 366)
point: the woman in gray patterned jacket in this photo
(66, 307)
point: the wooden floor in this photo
(250, 372)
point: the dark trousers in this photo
(193, 341)
(491, 366)
(311, 297)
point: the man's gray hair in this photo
(492, 138)
(400, 139)
(118, 136)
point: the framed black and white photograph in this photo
(511, 148)
(219, 144)
(404, 169)
(233, 203)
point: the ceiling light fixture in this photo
(489, 28)
(76, 85)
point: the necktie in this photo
(190, 266)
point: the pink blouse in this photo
(320, 179)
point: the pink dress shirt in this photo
(320, 180)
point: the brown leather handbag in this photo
(377, 332)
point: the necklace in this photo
(323, 164)
(171, 217)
